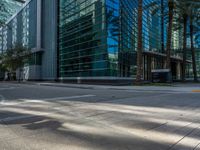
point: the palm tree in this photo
(194, 17)
(185, 21)
(186, 12)
(162, 26)
(171, 4)
(182, 19)
(161, 5)
(140, 45)
(181, 7)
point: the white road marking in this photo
(69, 97)
(23, 101)
(7, 88)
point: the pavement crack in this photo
(182, 138)
(195, 148)
(158, 126)
(98, 114)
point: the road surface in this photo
(40, 117)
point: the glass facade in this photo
(20, 29)
(5, 37)
(128, 38)
(25, 18)
(83, 38)
(8, 8)
(99, 37)
(14, 32)
(35, 27)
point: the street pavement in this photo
(49, 116)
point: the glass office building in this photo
(34, 26)
(83, 39)
(99, 37)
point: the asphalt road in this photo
(38, 117)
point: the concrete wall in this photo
(49, 39)
(19, 28)
(32, 23)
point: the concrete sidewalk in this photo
(175, 87)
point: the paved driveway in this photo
(34, 117)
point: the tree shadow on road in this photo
(103, 125)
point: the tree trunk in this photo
(193, 51)
(140, 46)
(185, 18)
(162, 27)
(169, 35)
(19, 75)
